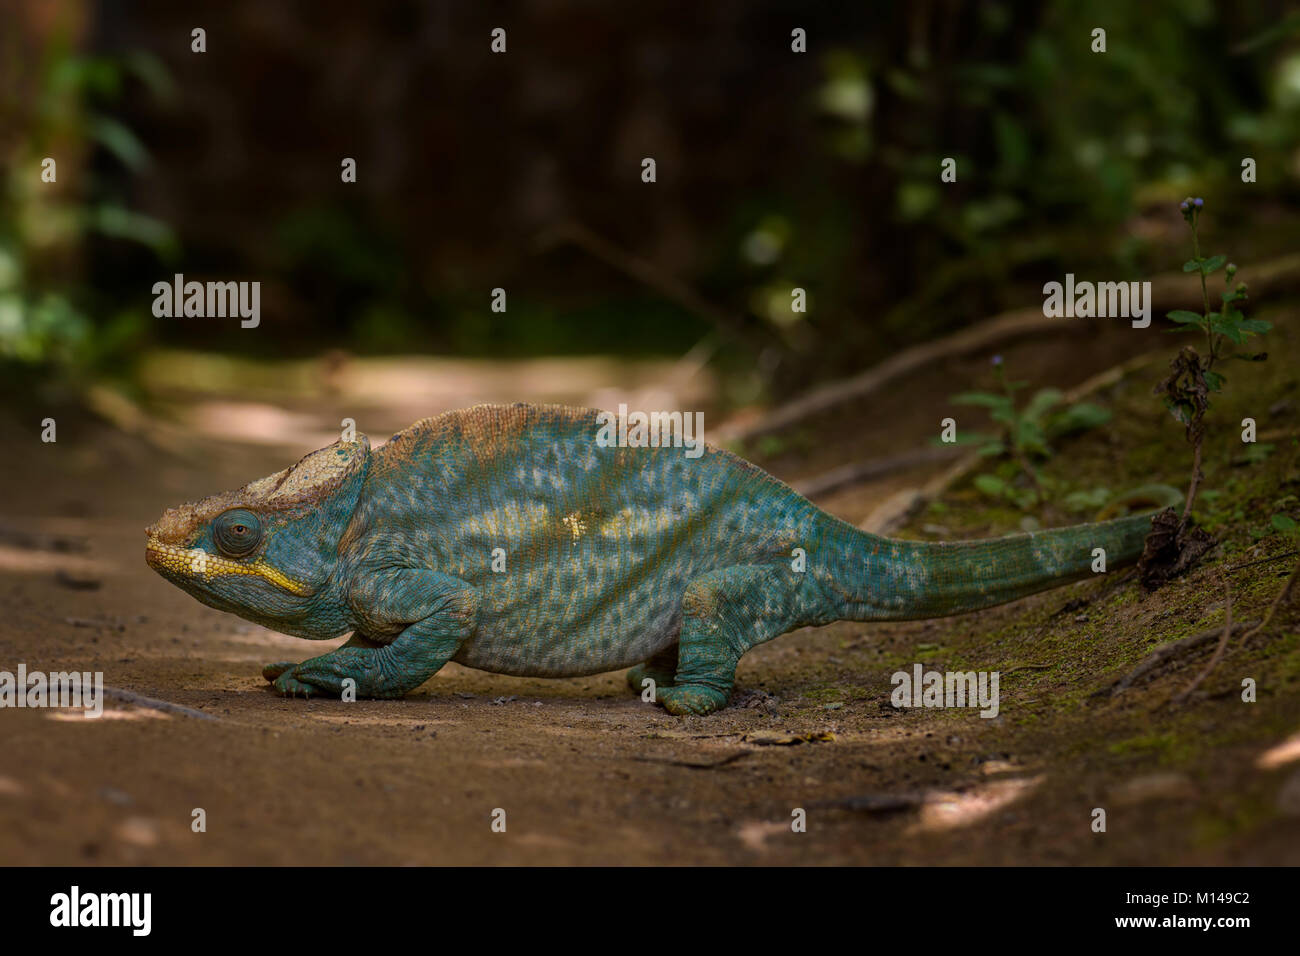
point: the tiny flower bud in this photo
(1183, 205)
(1232, 269)
(997, 360)
(1198, 202)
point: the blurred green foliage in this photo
(1059, 151)
(1066, 160)
(53, 331)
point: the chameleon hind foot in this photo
(637, 675)
(698, 699)
(661, 669)
(724, 613)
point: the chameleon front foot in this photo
(272, 671)
(290, 686)
(697, 699)
(281, 677)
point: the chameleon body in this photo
(514, 540)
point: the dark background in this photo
(775, 169)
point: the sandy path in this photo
(585, 772)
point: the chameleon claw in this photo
(272, 671)
(290, 686)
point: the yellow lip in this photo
(195, 562)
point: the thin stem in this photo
(1205, 292)
(1209, 362)
(1283, 597)
(1196, 479)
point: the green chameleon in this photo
(514, 540)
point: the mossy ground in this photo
(1182, 776)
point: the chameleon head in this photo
(268, 550)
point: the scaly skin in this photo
(507, 538)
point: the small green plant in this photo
(1025, 437)
(1255, 453)
(1281, 521)
(1186, 392)
(1174, 544)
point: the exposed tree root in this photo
(1169, 290)
(1218, 651)
(166, 706)
(1283, 597)
(868, 469)
(1166, 651)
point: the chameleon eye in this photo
(237, 532)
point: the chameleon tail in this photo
(904, 580)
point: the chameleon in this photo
(517, 539)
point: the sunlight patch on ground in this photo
(23, 560)
(755, 835)
(256, 423)
(353, 717)
(1283, 753)
(293, 403)
(948, 811)
(76, 714)
(454, 383)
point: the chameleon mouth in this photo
(195, 563)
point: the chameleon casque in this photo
(609, 557)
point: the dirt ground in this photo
(586, 772)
